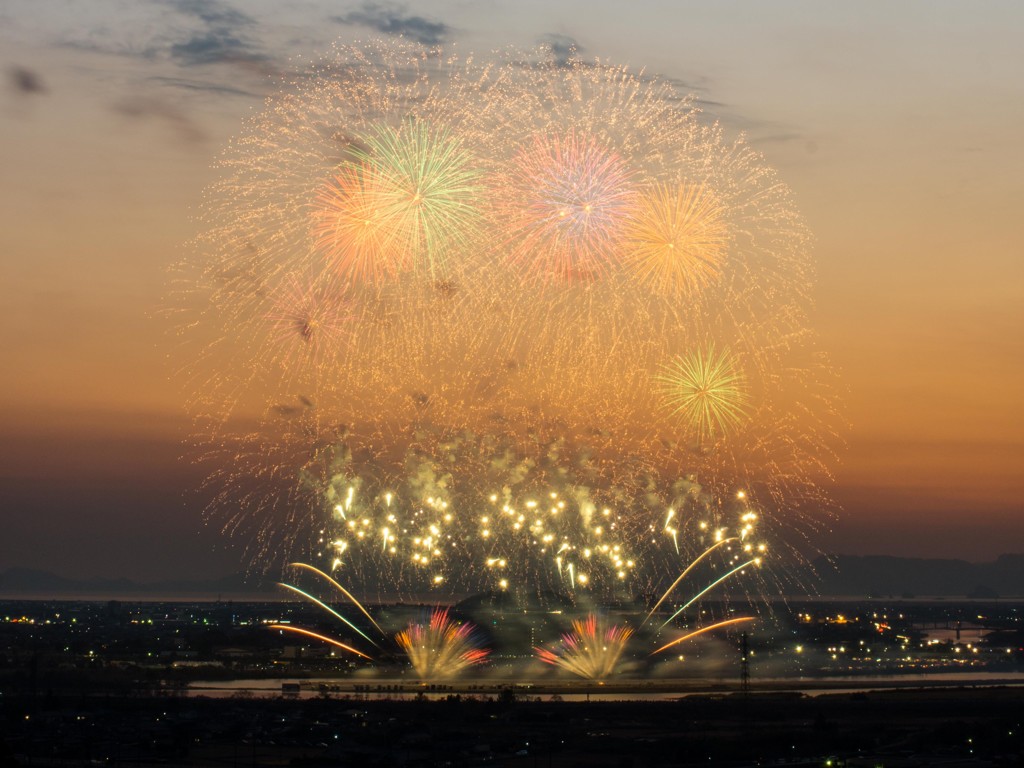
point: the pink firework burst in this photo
(565, 201)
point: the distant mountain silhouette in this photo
(887, 576)
(840, 575)
(36, 583)
(502, 599)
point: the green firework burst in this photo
(707, 390)
(429, 191)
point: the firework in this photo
(352, 228)
(722, 541)
(441, 648)
(330, 611)
(407, 199)
(566, 200)
(732, 572)
(591, 650)
(309, 320)
(678, 240)
(543, 522)
(707, 390)
(317, 636)
(703, 630)
(342, 590)
(461, 324)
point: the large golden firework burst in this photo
(367, 318)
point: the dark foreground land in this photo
(950, 727)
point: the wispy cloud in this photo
(213, 47)
(189, 32)
(690, 85)
(395, 20)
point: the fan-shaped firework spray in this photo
(591, 650)
(441, 648)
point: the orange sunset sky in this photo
(897, 125)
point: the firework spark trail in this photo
(321, 638)
(686, 572)
(591, 650)
(341, 589)
(448, 365)
(334, 613)
(701, 631)
(712, 585)
(441, 648)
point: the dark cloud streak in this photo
(214, 47)
(393, 20)
(564, 48)
(212, 12)
(221, 40)
(149, 108)
(204, 87)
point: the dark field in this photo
(961, 726)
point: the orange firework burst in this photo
(568, 199)
(352, 228)
(678, 239)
